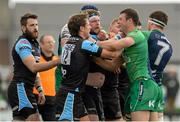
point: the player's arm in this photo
(23, 48)
(38, 84)
(39, 88)
(113, 44)
(64, 35)
(31, 64)
(93, 49)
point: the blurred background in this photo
(52, 17)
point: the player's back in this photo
(75, 64)
(160, 52)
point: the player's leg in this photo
(154, 116)
(34, 117)
(23, 102)
(143, 99)
(161, 104)
(71, 106)
(111, 104)
(140, 115)
(90, 98)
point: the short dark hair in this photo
(75, 22)
(131, 13)
(27, 16)
(160, 16)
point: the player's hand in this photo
(57, 61)
(41, 98)
(111, 35)
(102, 35)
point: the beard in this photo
(32, 35)
(123, 29)
(96, 30)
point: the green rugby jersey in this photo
(136, 56)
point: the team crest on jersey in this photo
(66, 54)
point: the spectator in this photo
(170, 81)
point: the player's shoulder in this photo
(23, 42)
(135, 33)
(146, 33)
(65, 32)
(156, 34)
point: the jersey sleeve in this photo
(132, 35)
(65, 32)
(23, 48)
(94, 37)
(91, 48)
(137, 35)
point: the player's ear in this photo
(129, 20)
(23, 28)
(81, 28)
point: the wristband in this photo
(39, 89)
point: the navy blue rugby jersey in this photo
(75, 60)
(23, 48)
(160, 52)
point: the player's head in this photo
(157, 19)
(78, 25)
(114, 26)
(127, 18)
(94, 21)
(29, 25)
(94, 17)
(89, 7)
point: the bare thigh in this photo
(140, 116)
(84, 118)
(34, 117)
